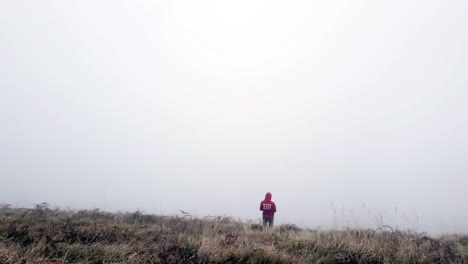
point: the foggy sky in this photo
(204, 106)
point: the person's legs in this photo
(268, 220)
(271, 222)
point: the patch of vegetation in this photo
(47, 236)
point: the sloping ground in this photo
(44, 236)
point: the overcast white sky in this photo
(206, 105)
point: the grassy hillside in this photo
(53, 236)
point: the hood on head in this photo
(268, 196)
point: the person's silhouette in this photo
(268, 207)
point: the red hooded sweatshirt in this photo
(268, 206)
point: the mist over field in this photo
(350, 113)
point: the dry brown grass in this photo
(43, 236)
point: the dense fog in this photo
(351, 113)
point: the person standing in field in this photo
(268, 207)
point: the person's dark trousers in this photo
(268, 220)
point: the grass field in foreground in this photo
(44, 236)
